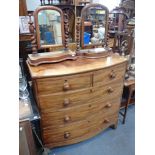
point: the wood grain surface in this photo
(68, 67)
(78, 99)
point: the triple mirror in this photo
(94, 24)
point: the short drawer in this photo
(78, 131)
(110, 74)
(63, 84)
(109, 91)
(66, 116)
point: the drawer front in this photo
(63, 84)
(109, 75)
(64, 100)
(69, 99)
(78, 131)
(109, 91)
(66, 116)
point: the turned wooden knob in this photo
(67, 135)
(112, 75)
(66, 102)
(67, 118)
(110, 90)
(106, 121)
(108, 105)
(66, 86)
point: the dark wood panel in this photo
(22, 8)
(26, 141)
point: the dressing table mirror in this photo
(94, 30)
(51, 30)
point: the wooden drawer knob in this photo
(67, 118)
(66, 102)
(106, 121)
(112, 75)
(67, 135)
(108, 105)
(66, 85)
(110, 90)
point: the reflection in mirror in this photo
(94, 25)
(50, 27)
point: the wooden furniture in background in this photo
(26, 141)
(82, 2)
(130, 84)
(129, 6)
(22, 8)
(78, 99)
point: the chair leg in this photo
(126, 106)
(125, 112)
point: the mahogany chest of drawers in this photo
(78, 99)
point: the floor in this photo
(120, 141)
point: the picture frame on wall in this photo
(24, 24)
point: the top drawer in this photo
(63, 84)
(110, 74)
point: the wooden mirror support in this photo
(94, 50)
(45, 16)
(33, 38)
(78, 25)
(66, 30)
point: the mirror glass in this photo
(50, 27)
(94, 22)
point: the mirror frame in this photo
(82, 24)
(35, 14)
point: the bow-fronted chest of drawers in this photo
(78, 99)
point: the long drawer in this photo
(66, 116)
(63, 84)
(64, 99)
(53, 102)
(78, 131)
(108, 75)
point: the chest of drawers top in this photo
(80, 65)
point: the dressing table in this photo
(78, 98)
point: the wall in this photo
(32, 4)
(110, 4)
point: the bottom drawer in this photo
(78, 131)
